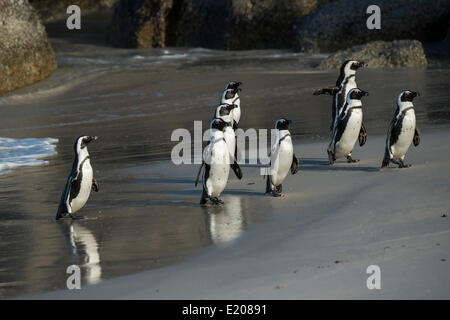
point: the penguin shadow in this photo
(321, 164)
(166, 180)
(243, 192)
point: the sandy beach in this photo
(145, 235)
(316, 241)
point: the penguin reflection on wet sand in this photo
(282, 158)
(225, 112)
(347, 128)
(216, 164)
(345, 82)
(80, 182)
(230, 96)
(402, 131)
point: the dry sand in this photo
(318, 239)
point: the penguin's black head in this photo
(82, 141)
(219, 124)
(234, 85)
(357, 94)
(225, 109)
(282, 124)
(351, 65)
(408, 95)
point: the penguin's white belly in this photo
(85, 189)
(219, 170)
(405, 137)
(281, 162)
(348, 138)
(231, 142)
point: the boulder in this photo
(26, 54)
(381, 54)
(265, 23)
(342, 24)
(51, 10)
(219, 24)
(198, 23)
(140, 23)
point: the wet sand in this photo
(318, 239)
(146, 214)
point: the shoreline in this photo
(318, 240)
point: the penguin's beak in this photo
(416, 94)
(361, 64)
(89, 139)
(365, 93)
(289, 121)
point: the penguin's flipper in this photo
(416, 139)
(386, 158)
(62, 207)
(295, 164)
(268, 185)
(237, 170)
(198, 173)
(95, 185)
(362, 135)
(330, 90)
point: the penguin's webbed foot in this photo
(403, 165)
(217, 200)
(351, 160)
(276, 192)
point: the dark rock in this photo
(342, 24)
(265, 23)
(140, 23)
(381, 54)
(220, 24)
(52, 10)
(197, 23)
(26, 55)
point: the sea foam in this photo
(25, 152)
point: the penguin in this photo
(80, 182)
(344, 83)
(230, 96)
(216, 163)
(282, 158)
(402, 131)
(224, 112)
(347, 128)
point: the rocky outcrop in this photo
(26, 55)
(140, 23)
(265, 23)
(381, 54)
(198, 23)
(342, 24)
(220, 24)
(52, 10)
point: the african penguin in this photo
(80, 182)
(216, 163)
(282, 158)
(345, 82)
(224, 112)
(230, 96)
(347, 128)
(402, 130)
